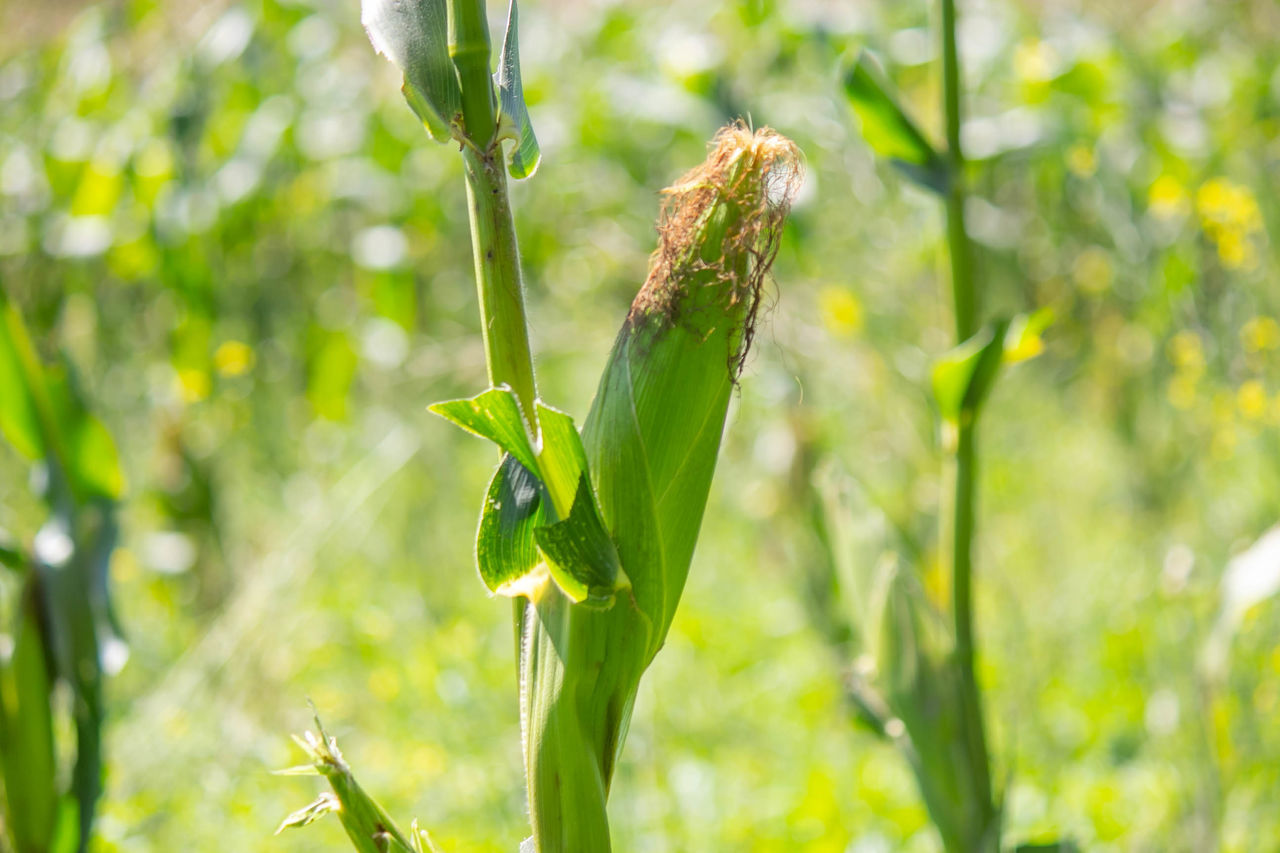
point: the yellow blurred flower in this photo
(1186, 352)
(1223, 203)
(1260, 333)
(193, 384)
(1035, 61)
(233, 358)
(1081, 161)
(1167, 198)
(841, 311)
(1251, 398)
(124, 565)
(1234, 250)
(1230, 216)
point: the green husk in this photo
(651, 439)
(367, 824)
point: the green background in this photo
(227, 218)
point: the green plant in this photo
(924, 694)
(591, 534)
(63, 631)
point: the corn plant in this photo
(923, 693)
(62, 631)
(590, 533)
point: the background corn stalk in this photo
(64, 631)
(923, 693)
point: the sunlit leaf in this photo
(540, 497)
(413, 34)
(514, 121)
(889, 130)
(561, 458)
(580, 555)
(963, 377)
(311, 812)
(495, 415)
(19, 420)
(505, 548)
(1024, 340)
(26, 733)
(330, 371)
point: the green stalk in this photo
(963, 466)
(499, 282)
(962, 288)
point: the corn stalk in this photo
(590, 534)
(63, 631)
(925, 695)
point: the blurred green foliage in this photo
(260, 269)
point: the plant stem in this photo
(499, 282)
(469, 50)
(962, 287)
(982, 812)
(500, 287)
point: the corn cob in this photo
(651, 441)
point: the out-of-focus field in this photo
(226, 216)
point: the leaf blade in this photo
(495, 415)
(888, 129)
(964, 376)
(413, 34)
(515, 123)
(580, 555)
(26, 734)
(506, 552)
(19, 418)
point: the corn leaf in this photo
(19, 420)
(495, 415)
(324, 804)
(413, 34)
(68, 593)
(91, 460)
(561, 458)
(505, 548)
(963, 377)
(1024, 340)
(920, 691)
(26, 734)
(514, 121)
(542, 499)
(889, 130)
(43, 415)
(579, 553)
(10, 555)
